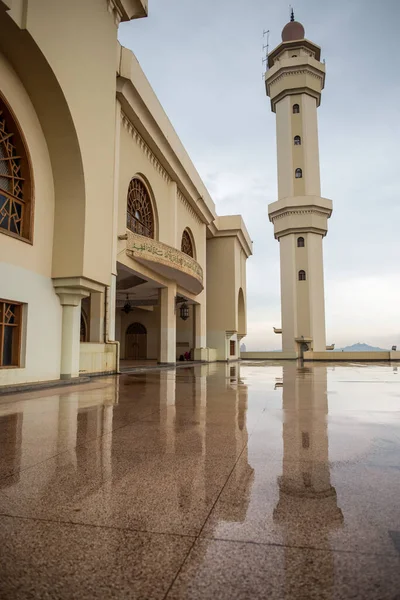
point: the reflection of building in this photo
(67, 420)
(107, 232)
(93, 453)
(294, 82)
(306, 496)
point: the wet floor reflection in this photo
(292, 464)
(306, 495)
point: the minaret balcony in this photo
(298, 214)
(297, 75)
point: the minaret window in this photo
(297, 140)
(300, 242)
(298, 173)
(302, 275)
(296, 109)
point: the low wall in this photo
(352, 356)
(268, 355)
(205, 354)
(98, 358)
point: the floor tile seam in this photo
(97, 526)
(299, 547)
(202, 527)
(68, 449)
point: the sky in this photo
(204, 61)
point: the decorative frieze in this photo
(294, 72)
(144, 147)
(188, 207)
(141, 247)
(288, 213)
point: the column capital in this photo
(71, 290)
(229, 334)
(71, 296)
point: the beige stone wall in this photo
(97, 358)
(347, 356)
(268, 355)
(172, 212)
(25, 269)
(82, 55)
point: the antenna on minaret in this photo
(266, 48)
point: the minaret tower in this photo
(294, 82)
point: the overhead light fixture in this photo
(184, 312)
(127, 308)
(183, 309)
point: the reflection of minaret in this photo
(306, 496)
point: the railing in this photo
(136, 226)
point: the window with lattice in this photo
(139, 218)
(187, 244)
(10, 333)
(15, 178)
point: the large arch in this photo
(46, 95)
(241, 313)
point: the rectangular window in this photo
(232, 344)
(10, 333)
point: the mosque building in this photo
(111, 249)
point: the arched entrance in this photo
(84, 327)
(136, 342)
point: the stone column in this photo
(200, 330)
(70, 337)
(97, 317)
(239, 341)
(112, 308)
(167, 301)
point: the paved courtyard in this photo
(212, 481)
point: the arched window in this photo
(297, 140)
(302, 275)
(296, 109)
(187, 244)
(15, 178)
(298, 173)
(137, 328)
(300, 242)
(139, 217)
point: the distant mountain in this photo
(360, 347)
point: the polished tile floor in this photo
(212, 481)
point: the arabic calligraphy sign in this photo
(152, 250)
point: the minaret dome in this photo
(293, 30)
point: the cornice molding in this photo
(115, 11)
(125, 10)
(310, 211)
(282, 75)
(127, 124)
